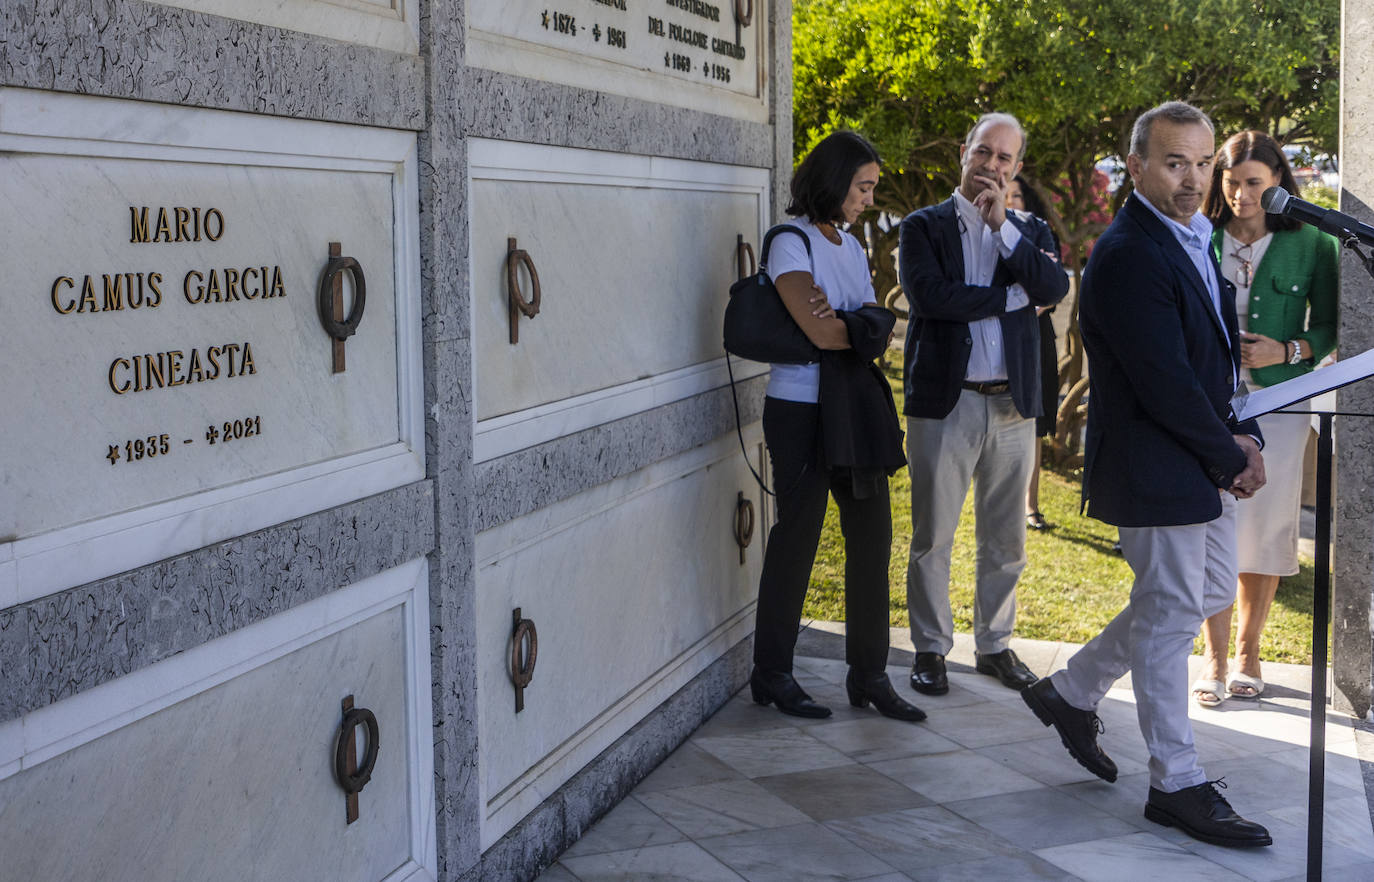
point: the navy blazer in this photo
(938, 343)
(1161, 368)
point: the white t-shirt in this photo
(1231, 268)
(841, 271)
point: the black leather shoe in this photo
(1006, 667)
(1203, 813)
(877, 688)
(1077, 728)
(928, 674)
(779, 688)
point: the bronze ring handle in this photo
(519, 305)
(743, 251)
(524, 652)
(744, 15)
(744, 523)
(354, 781)
(341, 330)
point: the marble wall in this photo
(479, 466)
(1352, 650)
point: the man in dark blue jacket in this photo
(973, 273)
(1165, 462)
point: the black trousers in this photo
(792, 432)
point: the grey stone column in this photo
(1353, 559)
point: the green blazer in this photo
(1299, 272)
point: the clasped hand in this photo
(1257, 351)
(1251, 478)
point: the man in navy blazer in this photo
(973, 273)
(1165, 462)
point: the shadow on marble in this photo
(842, 792)
(1040, 818)
(688, 766)
(771, 752)
(627, 826)
(914, 840)
(794, 854)
(874, 739)
(722, 808)
(959, 774)
(1047, 761)
(989, 723)
(680, 862)
(1020, 867)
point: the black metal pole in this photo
(1321, 616)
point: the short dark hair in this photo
(1034, 204)
(821, 183)
(1177, 112)
(1243, 147)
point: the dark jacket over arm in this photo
(938, 343)
(859, 424)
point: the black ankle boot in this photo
(877, 688)
(779, 688)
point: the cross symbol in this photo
(546, 19)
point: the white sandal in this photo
(1209, 693)
(1245, 681)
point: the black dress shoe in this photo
(779, 688)
(1203, 813)
(877, 688)
(1006, 667)
(928, 674)
(1077, 728)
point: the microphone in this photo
(1277, 200)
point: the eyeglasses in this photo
(1245, 271)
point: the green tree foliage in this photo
(912, 75)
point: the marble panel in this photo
(962, 774)
(772, 752)
(633, 283)
(619, 630)
(801, 853)
(385, 24)
(1138, 857)
(698, 55)
(688, 766)
(170, 364)
(145, 797)
(659, 863)
(842, 792)
(919, 839)
(629, 825)
(1040, 818)
(721, 808)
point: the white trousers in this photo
(1182, 575)
(984, 441)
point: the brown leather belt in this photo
(996, 388)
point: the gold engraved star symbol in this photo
(113, 455)
(546, 19)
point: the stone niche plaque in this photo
(688, 53)
(385, 24)
(168, 381)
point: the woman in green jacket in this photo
(1287, 288)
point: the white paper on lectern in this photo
(1333, 376)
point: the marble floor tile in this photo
(804, 853)
(721, 808)
(915, 840)
(629, 825)
(1340, 769)
(1041, 818)
(887, 877)
(1047, 761)
(680, 862)
(1019, 867)
(740, 714)
(1257, 784)
(988, 723)
(988, 687)
(1345, 822)
(841, 792)
(1138, 857)
(834, 697)
(687, 766)
(771, 752)
(556, 873)
(958, 696)
(1286, 857)
(1123, 800)
(878, 738)
(832, 670)
(960, 774)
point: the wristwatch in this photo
(1296, 357)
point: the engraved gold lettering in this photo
(212, 214)
(186, 287)
(154, 279)
(277, 290)
(88, 297)
(194, 372)
(212, 355)
(138, 224)
(164, 231)
(212, 287)
(134, 297)
(183, 217)
(231, 284)
(71, 304)
(173, 367)
(114, 387)
(114, 297)
(250, 293)
(155, 369)
(248, 366)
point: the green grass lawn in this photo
(1073, 583)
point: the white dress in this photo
(1267, 523)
